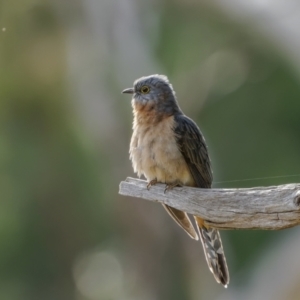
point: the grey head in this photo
(154, 92)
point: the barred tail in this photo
(214, 252)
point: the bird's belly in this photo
(156, 156)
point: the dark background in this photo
(65, 127)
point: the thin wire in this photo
(257, 178)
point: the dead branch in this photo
(272, 208)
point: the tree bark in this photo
(270, 208)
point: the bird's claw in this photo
(171, 186)
(150, 183)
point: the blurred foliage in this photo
(49, 178)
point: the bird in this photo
(168, 147)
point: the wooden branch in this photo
(272, 208)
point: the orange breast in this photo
(154, 152)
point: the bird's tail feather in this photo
(214, 252)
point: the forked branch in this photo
(272, 208)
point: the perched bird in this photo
(168, 147)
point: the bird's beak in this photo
(128, 91)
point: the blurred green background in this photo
(65, 233)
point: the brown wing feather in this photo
(191, 144)
(183, 220)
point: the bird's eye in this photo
(145, 89)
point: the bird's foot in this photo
(150, 183)
(171, 186)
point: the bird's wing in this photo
(183, 220)
(191, 144)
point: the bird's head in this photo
(153, 93)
